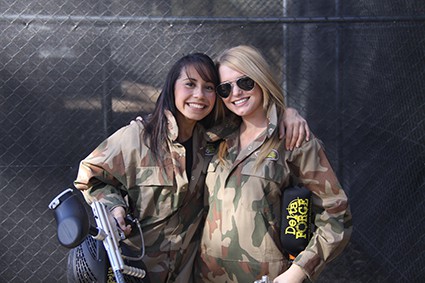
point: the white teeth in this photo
(194, 105)
(240, 101)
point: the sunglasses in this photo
(244, 83)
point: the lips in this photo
(196, 105)
(240, 101)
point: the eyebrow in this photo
(195, 80)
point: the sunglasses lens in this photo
(224, 90)
(245, 83)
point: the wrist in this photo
(290, 111)
(298, 272)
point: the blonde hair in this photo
(249, 61)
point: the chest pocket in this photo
(154, 196)
(271, 169)
(261, 185)
(152, 176)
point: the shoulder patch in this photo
(273, 155)
(210, 149)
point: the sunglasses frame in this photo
(243, 83)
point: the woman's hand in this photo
(294, 127)
(293, 275)
(119, 214)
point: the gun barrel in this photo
(111, 241)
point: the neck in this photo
(184, 136)
(255, 122)
(251, 129)
(185, 129)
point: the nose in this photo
(198, 92)
(235, 89)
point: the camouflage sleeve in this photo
(102, 175)
(333, 222)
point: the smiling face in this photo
(243, 103)
(194, 97)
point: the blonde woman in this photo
(245, 180)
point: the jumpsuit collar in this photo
(173, 128)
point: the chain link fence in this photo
(72, 72)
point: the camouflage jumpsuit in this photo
(240, 241)
(169, 208)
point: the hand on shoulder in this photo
(294, 128)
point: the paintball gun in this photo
(73, 227)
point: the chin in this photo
(196, 118)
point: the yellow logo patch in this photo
(298, 218)
(210, 149)
(273, 155)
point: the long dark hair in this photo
(156, 123)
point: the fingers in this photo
(125, 228)
(296, 135)
(119, 214)
(282, 131)
(295, 128)
(300, 136)
(307, 131)
(288, 139)
(121, 223)
(304, 133)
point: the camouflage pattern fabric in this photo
(121, 171)
(240, 241)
